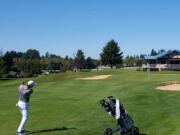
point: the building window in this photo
(176, 62)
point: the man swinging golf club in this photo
(24, 96)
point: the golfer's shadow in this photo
(47, 130)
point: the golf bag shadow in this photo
(124, 121)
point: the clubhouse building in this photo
(169, 60)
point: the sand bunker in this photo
(172, 86)
(98, 77)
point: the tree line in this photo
(31, 63)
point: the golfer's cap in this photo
(32, 83)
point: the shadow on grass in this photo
(45, 131)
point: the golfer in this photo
(25, 92)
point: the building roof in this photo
(160, 55)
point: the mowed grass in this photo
(60, 101)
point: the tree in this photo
(47, 55)
(111, 54)
(142, 56)
(129, 61)
(161, 51)
(1, 63)
(8, 62)
(90, 64)
(28, 65)
(32, 54)
(79, 60)
(35, 66)
(52, 65)
(2, 67)
(66, 57)
(71, 63)
(153, 52)
(20, 64)
(27, 62)
(136, 60)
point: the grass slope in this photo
(61, 101)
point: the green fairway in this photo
(60, 101)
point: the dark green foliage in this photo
(4, 75)
(47, 55)
(131, 61)
(54, 56)
(28, 65)
(32, 54)
(153, 52)
(15, 54)
(142, 56)
(66, 57)
(90, 64)
(70, 63)
(8, 62)
(2, 66)
(30, 62)
(32, 65)
(35, 66)
(161, 51)
(80, 62)
(52, 65)
(111, 54)
(20, 64)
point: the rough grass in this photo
(60, 101)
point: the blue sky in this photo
(64, 26)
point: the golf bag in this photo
(124, 121)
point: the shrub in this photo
(12, 74)
(4, 75)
